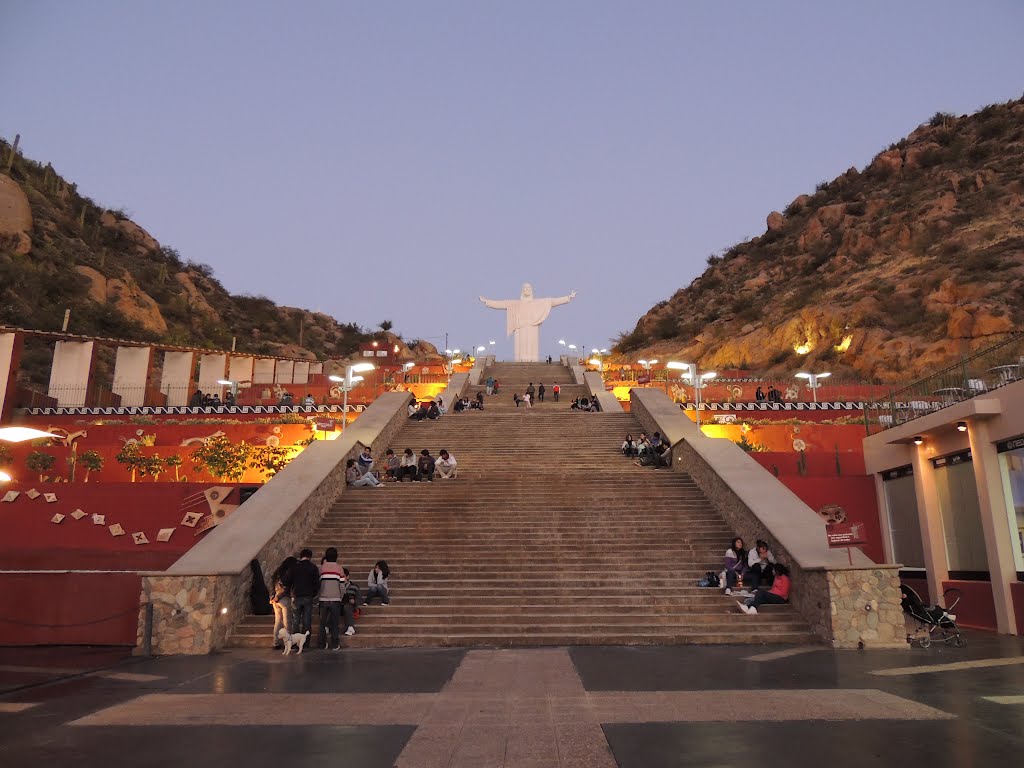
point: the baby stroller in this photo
(934, 623)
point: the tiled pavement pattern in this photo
(592, 706)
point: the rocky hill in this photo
(884, 273)
(59, 250)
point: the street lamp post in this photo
(347, 382)
(812, 381)
(452, 360)
(697, 380)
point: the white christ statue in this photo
(523, 317)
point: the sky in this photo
(395, 161)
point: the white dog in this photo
(290, 640)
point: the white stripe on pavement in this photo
(953, 667)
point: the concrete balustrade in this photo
(845, 604)
(198, 600)
(607, 400)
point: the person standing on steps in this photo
(531, 391)
(305, 583)
(540, 392)
(554, 391)
(490, 385)
(330, 600)
(280, 600)
(350, 600)
(528, 399)
(515, 398)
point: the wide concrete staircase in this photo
(515, 377)
(548, 536)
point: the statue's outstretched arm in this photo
(499, 304)
(563, 299)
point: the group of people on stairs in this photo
(755, 575)
(299, 586)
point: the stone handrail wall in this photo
(845, 604)
(595, 383)
(576, 370)
(456, 386)
(201, 597)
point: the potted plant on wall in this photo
(174, 462)
(92, 461)
(223, 459)
(40, 463)
(131, 457)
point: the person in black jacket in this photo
(304, 584)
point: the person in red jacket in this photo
(777, 593)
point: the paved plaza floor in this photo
(633, 707)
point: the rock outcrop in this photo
(884, 274)
(15, 217)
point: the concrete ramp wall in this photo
(198, 600)
(846, 604)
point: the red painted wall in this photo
(70, 608)
(1017, 594)
(31, 541)
(854, 494)
(976, 608)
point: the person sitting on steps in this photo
(357, 479)
(445, 466)
(760, 565)
(377, 583)
(391, 465)
(407, 467)
(776, 594)
(425, 466)
(629, 446)
(735, 565)
(478, 403)
(365, 461)
(434, 411)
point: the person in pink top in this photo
(777, 593)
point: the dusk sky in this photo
(396, 160)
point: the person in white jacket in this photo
(761, 566)
(377, 583)
(445, 466)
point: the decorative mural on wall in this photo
(203, 510)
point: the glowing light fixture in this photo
(4, 477)
(918, 439)
(697, 381)
(347, 382)
(961, 426)
(21, 434)
(812, 381)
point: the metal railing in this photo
(982, 372)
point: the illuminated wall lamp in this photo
(961, 426)
(918, 439)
